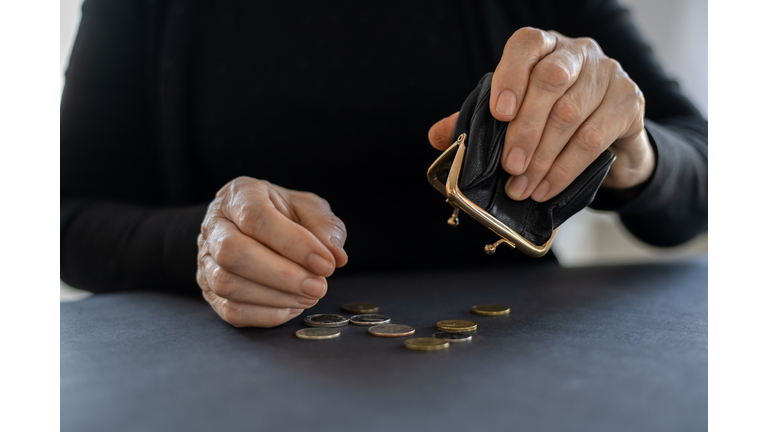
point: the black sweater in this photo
(166, 101)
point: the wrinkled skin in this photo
(566, 102)
(264, 252)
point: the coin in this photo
(326, 320)
(426, 344)
(369, 319)
(318, 333)
(391, 330)
(456, 326)
(453, 336)
(490, 310)
(360, 307)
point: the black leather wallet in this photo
(470, 175)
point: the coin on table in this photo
(426, 344)
(453, 336)
(456, 326)
(391, 330)
(326, 320)
(360, 307)
(369, 319)
(318, 333)
(490, 310)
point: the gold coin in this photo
(490, 310)
(456, 326)
(318, 333)
(391, 330)
(426, 344)
(360, 308)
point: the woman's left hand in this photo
(566, 102)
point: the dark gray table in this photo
(593, 349)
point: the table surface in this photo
(619, 348)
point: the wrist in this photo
(635, 162)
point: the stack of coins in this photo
(369, 319)
(456, 326)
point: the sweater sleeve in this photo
(116, 233)
(671, 207)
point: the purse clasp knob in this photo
(453, 221)
(490, 249)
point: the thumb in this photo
(441, 133)
(314, 214)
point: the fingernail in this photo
(517, 187)
(506, 103)
(305, 301)
(314, 287)
(319, 264)
(516, 160)
(541, 191)
(295, 312)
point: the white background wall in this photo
(677, 30)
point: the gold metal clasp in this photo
(455, 156)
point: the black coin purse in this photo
(470, 176)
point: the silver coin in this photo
(326, 320)
(453, 336)
(391, 330)
(369, 319)
(318, 333)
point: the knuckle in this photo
(251, 217)
(286, 273)
(526, 134)
(559, 174)
(201, 280)
(225, 252)
(338, 224)
(525, 37)
(612, 65)
(552, 76)
(274, 318)
(538, 164)
(590, 138)
(566, 111)
(640, 102)
(531, 34)
(232, 313)
(316, 199)
(589, 44)
(290, 243)
(631, 89)
(632, 93)
(222, 283)
(233, 186)
(242, 182)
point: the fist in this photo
(264, 252)
(566, 102)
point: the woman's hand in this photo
(264, 252)
(566, 102)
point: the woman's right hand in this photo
(264, 252)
